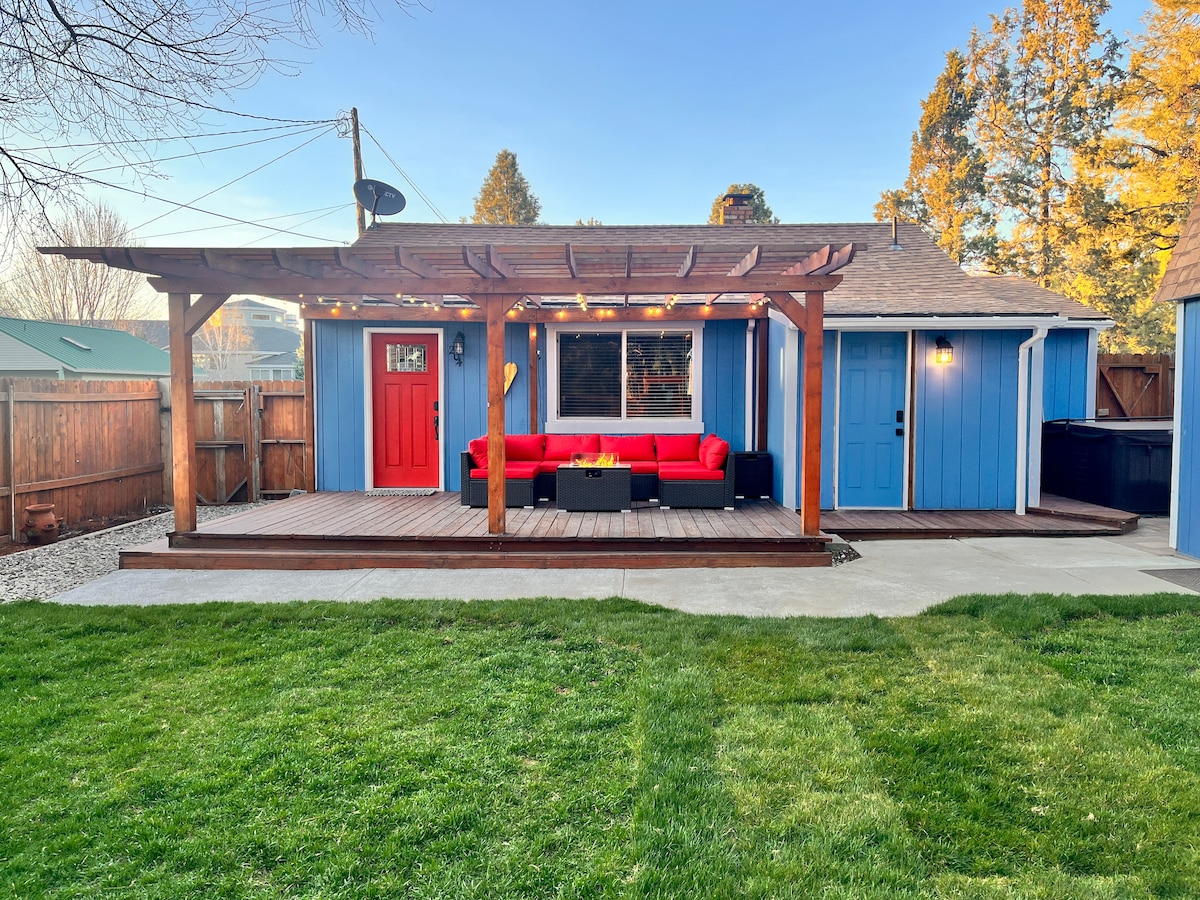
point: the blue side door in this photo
(871, 420)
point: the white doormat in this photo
(402, 492)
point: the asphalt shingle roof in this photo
(916, 280)
(1181, 281)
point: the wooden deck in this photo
(352, 530)
(1056, 517)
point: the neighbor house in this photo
(1181, 285)
(34, 349)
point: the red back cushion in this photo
(628, 446)
(714, 451)
(677, 447)
(524, 447)
(562, 446)
(478, 450)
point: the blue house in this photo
(870, 368)
(935, 383)
(1181, 285)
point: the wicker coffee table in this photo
(594, 488)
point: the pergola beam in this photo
(201, 280)
(745, 266)
(201, 311)
(410, 262)
(679, 313)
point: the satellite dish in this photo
(381, 199)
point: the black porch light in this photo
(457, 348)
(943, 351)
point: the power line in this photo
(420, 193)
(176, 137)
(239, 178)
(196, 153)
(323, 210)
(208, 212)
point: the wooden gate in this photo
(249, 440)
(1135, 385)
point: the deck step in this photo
(159, 556)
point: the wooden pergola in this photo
(496, 274)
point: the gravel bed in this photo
(43, 572)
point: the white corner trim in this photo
(1024, 364)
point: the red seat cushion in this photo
(641, 466)
(524, 447)
(478, 450)
(714, 451)
(677, 447)
(562, 446)
(522, 469)
(688, 471)
(628, 447)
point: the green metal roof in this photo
(93, 350)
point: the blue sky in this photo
(631, 112)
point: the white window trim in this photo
(693, 424)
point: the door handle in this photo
(436, 434)
(899, 432)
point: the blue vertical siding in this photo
(340, 414)
(966, 421)
(724, 380)
(1066, 374)
(341, 397)
(1188, 385)
(828, 418)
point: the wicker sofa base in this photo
(697, 494)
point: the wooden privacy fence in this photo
(92, 448)
(1135, 385)
(97, 449)
(249, 440)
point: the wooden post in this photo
(533, 379)
(814, 352)
(310, 418)
(494, 307)
(183, 415)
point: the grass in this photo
(1032, 747)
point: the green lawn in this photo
(995, 747)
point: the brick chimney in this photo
(735, 209)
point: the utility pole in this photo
(358, 170)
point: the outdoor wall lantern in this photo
(943, 351)
(457, 349)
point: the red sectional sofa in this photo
(677, 469)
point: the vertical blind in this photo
(657, 367)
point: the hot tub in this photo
(1119, 463)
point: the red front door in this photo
(405, 414)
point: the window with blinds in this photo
(658, 367)
(619, 375)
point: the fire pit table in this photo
(584, 488)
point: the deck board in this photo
(348, 530)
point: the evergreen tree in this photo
(945, 189)
(1133, 193)
(760, 213)
(505, 198)
(1046, 76)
